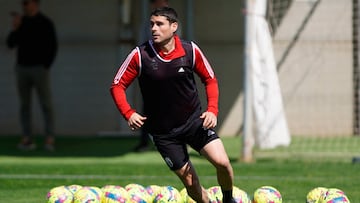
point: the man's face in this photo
(161, 29)
(30, 7)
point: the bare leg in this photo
(216, 154)
(190, 179)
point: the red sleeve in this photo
(207, 76)
(126, 74)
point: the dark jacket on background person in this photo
(35, 40)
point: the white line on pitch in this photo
(137, 177)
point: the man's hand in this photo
(16, 22)
(136, 121)
(210, 120)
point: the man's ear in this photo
(174, 26)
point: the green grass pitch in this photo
(94, 161)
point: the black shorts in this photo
(172, 147)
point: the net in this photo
(337, 149)
(276, 11)
(313, 48)
(316, 47)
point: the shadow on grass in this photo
(72, 146)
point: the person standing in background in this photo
(34, 36)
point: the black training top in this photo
(168, 88)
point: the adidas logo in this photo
(210, 132)
(181, 70)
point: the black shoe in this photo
(232, 200)
(49, 144)
(26, 145)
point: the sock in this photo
(227, 196)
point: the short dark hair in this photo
(167, 12)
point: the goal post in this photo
(248, 141)
(264, 119)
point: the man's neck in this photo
(168, 46)
(33, 13)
